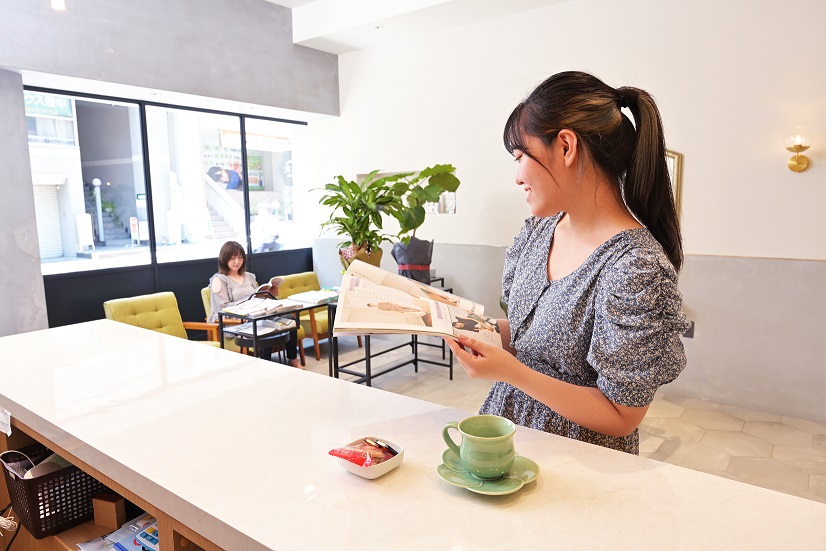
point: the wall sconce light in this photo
(59, 5)
(798, 140)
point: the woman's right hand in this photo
(481, 360)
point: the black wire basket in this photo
(53, 502)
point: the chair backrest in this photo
(158, 312)
(206, 298)
(298, 283)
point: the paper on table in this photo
(315, 297)
(257, 306)
(263, 327)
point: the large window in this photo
(88, 177)
(208, 182)
(272, 209)
(197, 182)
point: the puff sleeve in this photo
(635, 346)
(513, 253)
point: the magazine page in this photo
(411, 287)
(367, 308)
(271, 286)
(475, 326)
(364, 307)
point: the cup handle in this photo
(448, 440)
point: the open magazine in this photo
(271, 286)
(374, 301)
(263, 301)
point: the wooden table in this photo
(229, 451)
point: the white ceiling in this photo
(341, 26)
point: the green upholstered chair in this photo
(313, 322)
(229, 343)
(157, 312)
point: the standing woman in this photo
(594, 312)
(233, 284)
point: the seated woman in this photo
(233, 284)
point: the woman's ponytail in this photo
(647, 185)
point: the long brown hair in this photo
(229, 250)
(633, 158)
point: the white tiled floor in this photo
(765, 449)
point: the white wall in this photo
(731, 78)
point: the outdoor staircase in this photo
(221, 229)
(114, 235)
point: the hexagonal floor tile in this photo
(648, 442)
(672, 429)
(806, 457)
(737, 443)
(664, 408)
(778, 433)
(769, 473)
(692, 455)
(691, 403)
(713, 420)
(750, 414)
(817, 485)
(805, 425)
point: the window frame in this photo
(142, 105)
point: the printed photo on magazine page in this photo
(411, 287)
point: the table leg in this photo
(221, 329)
(414, 342)
(367, 373)
(332, 361)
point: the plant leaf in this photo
(446, 181)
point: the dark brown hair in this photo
(229, 250)
(633, 158)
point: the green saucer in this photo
(453, 472)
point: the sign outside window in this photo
(47, 105)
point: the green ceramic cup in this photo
(486, 450)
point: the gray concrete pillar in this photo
(21, 294)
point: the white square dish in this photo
(373, 471)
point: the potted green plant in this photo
(413, 255)
(358, 207)
(412, 190)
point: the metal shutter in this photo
(47, 213)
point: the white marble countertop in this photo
(236, 448)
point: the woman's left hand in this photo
(482, 360)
